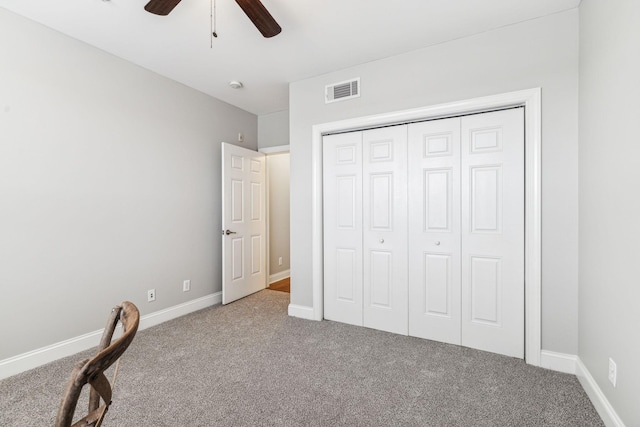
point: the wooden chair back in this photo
(91, 371)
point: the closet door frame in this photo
(531, 100)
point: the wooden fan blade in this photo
(260, 17)
(161, 7)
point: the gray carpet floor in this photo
(249, 364)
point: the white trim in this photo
(600, 402)
(275, 150)
(267, 229)
(531, 99)
(161, 316)
(276, 277)
(301, 311)
(33, 359)
(560, 362)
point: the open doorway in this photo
(278, 256)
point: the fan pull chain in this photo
(213, 21)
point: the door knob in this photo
(438, 243)
(227, 232)
(381, 240)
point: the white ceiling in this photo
(317, 36)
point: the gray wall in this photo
(609, 201)
(109, 186)
(278, 167)
(537, 53)
(273, 129)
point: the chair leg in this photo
(105, 341)
(70, 397)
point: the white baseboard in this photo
(273, 278)
(33, 359)
(560, 362)
(571, 364)
(301, 311)
(157, 317)
(600, 402)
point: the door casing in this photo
(531, 100)
(278, 149)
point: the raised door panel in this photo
(437, 285)
(237, 201)
(342, 215)
(486, 199)
(237, 162)
(346, 273)
(256, 254)
(256, 201)
(434, 230)
(385, 229)
(237, 260)
(381, 201)
(486, 284)
(438, 197)
(493, 232)
(346, 202)
(381, 265)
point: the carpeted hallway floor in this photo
(249, 364)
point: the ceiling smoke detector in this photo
(236, 85)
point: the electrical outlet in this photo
(186, 286)
(613, 371)
(280, 261)
(151, 295)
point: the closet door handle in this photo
(227, 232)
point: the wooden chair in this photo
(91, 371)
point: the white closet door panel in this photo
(342, 187)
(493, 232)
(384, 201)
(434, 230)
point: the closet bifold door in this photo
(342, 216)
(492, 146)
(434, 230)
(384, 201)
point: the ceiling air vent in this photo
(342, 90)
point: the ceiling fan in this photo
(254, 9)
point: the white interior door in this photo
(434, 230)
(493, 232)
(243, 222)
(342, 187)
(384, 201)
